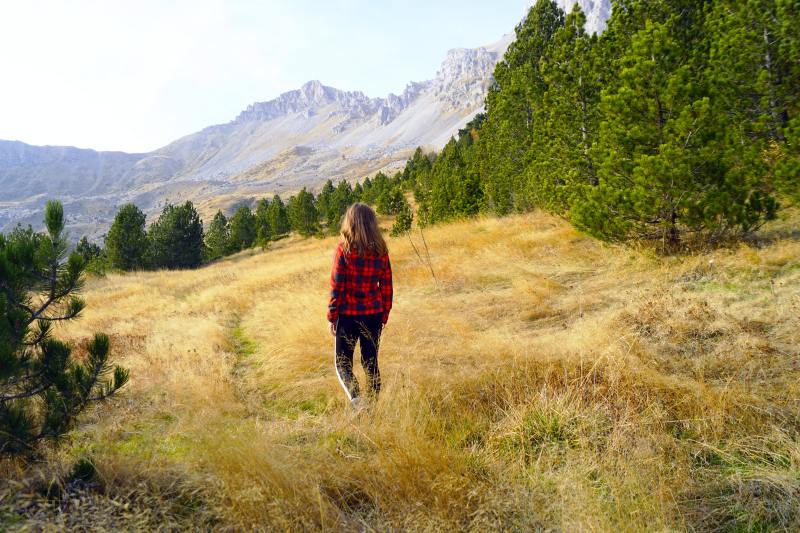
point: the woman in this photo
(361, 298)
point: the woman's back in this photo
(361, 282)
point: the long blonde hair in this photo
(360, 231)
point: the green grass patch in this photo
(150, 440)
(744, 490)
(540, 431)
(461, 432)
(718, 286)
(243, 346)
(292, 410)
(476, 466)
(490, 281)
(165, 417)
(789, 268)
(542, 428)
(348, 444)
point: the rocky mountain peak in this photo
(308, 99)
(314, 93)
(463, 77)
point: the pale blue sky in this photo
(135, 75)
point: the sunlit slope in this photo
(540, 380)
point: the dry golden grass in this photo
(543, 381)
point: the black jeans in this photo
(365, 329)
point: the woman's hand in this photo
(332, 326)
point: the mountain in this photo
(301, 138)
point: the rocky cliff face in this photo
(464, 77)
(597, 12)
(308, 98)
(301, 138)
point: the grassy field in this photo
(541, 381)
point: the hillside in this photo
(542, 381)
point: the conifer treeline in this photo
(177, 238)
(680, 119)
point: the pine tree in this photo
(263, 229)
(560, 154)
(755, 73)
(418, 165)
(176, 238)
(88, 250)
(511, 105)
(263, 237)
(42, 389)
(367, 193)
(341, 198)
(471, 128)
(358, 191)
(787, 172)
(468, 197)
(303, 215)
(241, 229)
(422, 189)
(380, 181)
(217, 237)
(277, 217)
(416, 175)
(402, 224)
(391, 201)
(94, 256)
(126, 241)
(374, 187)
(660, 165)
(748, 67)
(445, 171)
(455, 188)
(324, 201)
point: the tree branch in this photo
(27, 394)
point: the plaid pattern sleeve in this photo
(360, 285)
(386, 288)
(337, 284)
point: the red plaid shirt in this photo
(360, 285)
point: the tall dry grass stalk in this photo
(546, 382)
